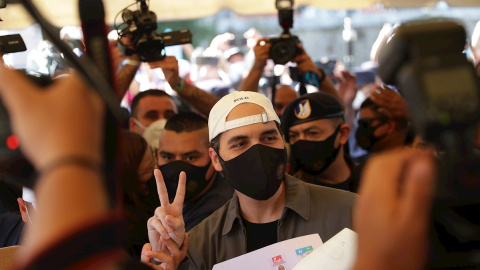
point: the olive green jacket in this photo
(308, 209)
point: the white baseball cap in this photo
(217, 119)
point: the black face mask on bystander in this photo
(196, 178)
(314, 157)
(257, 172)
(365, 133)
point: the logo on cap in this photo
(303, 109)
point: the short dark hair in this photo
(147, 93)
(337, 121)
(215, 142)
(186, 122)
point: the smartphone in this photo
(238, 42)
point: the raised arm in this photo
(201, 100)
(305, 64)
(126, 75)
(60, 129)
(347, 90)
(262, 53)
(392, 214)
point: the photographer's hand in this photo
(45, 131)
(262, 54)
(64, 120)
(169, 66)
(392, 213)
(391, 103)
(126, 75)
(201, 100)
(305, 64)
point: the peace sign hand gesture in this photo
(167, 222)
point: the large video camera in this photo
(424, 60)
(141, 25)
(284, 48)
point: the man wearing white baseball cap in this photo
(268, 205)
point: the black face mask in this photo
(314, 157)
(257, 172)
(364, 135)
(196, 181)
(150, 198)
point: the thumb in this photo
(144, 258)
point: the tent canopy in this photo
(65, 12)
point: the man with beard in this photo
(315, 129)
(268, 205)
(183, 146)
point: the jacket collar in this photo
(297, 200)
(298, 197)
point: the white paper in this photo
(280, 256)
(338, 253)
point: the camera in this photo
(12, 44)
(141, 25)
(424, 60)
(284, 48)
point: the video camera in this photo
(141, 25)
(424, 60)
(284, 48)
(11, 43)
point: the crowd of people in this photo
(214, 163)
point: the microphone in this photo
(92, 16)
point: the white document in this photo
(338, 253)
(280, 256)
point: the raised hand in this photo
(52, 123)
(167, 222)
(262, 53)
(347, 87)
(390, 102)
(169, 66)
(392, 214)
(304, 62)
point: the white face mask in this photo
(28, 196)
(152, 133)
(235, 71)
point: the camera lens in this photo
(282, 51)
(151, 49)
